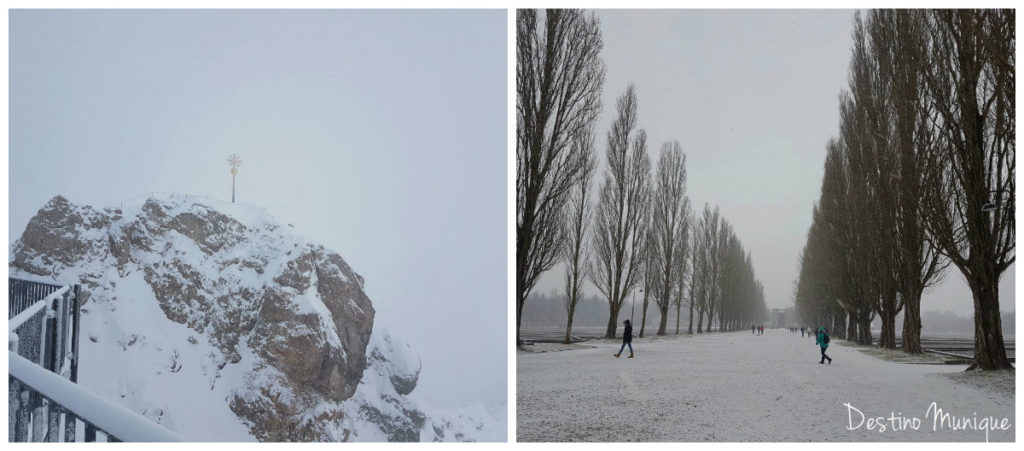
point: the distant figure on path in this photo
(753, 329)
(627, 340)
(822, 341)
(801, 332)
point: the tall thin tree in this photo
(622, 209)
(671, 211)
(559, 75)
(580, 214)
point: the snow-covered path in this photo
(742, 387)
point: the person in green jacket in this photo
(822, 341)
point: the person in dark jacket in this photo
(823, 342)
(627, 340)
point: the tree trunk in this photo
(851, 327)
(678, 308)
(912, 323)
(612, 324)
(690, 330)
(840, 329)
(643, 317)
(613, 314)
(519, 317)
(568, 325)
(663, 324)
(700, 321)
(864, 335)
(887, 338)
(989, 349)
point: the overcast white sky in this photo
(382, 134)
(752, 96)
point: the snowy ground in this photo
(742, 387)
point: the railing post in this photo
(69, 426)
(76, 306)
(13, 388)
(21, 429)
(50, 346)
(38, 414)
(52, 421)
(62, 333)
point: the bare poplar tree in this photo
(862, 222)
(717, 252)
(869, 141)
(899, 48)
(682, 268)
(697, 269)
(622, 209)
(651, 276)
(706, 265)
(670, 226)
(580, 215)
(559, 76)
(971, 216)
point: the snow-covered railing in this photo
(24, 292)
(42, 330)
(20, 319)
(45, 403)
(73, 401)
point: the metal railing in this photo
(78, 404)
(23, 293)
(44, 401)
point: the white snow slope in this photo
(742, 387)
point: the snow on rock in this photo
(215, 321)
(403, 369)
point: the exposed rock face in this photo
(287, 319)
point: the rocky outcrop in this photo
(287, 315)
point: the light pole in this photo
(234, 161)
(632, 306)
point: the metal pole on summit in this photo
(234, 161)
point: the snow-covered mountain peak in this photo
(220, 323)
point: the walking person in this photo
(627, 340)
(822, 341)
(752, 329)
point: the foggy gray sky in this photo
(381, 134)
(752, 96)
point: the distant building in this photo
(778, 318)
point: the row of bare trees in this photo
(645, 239)
(920, 177)
(640, 234)
(722, 277)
